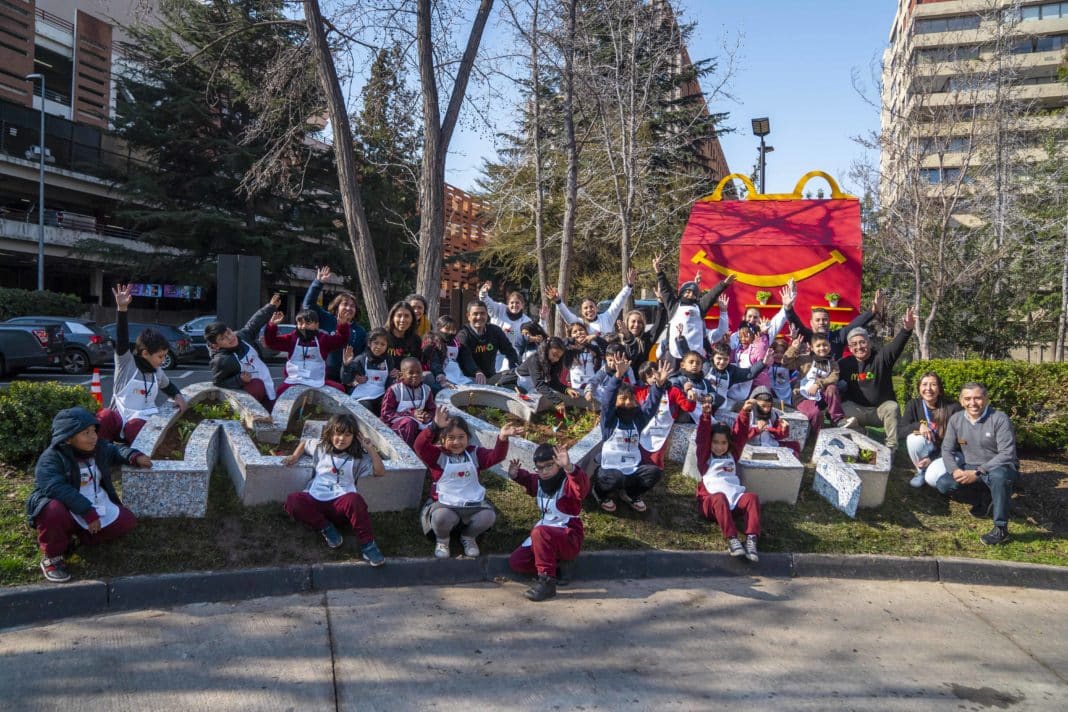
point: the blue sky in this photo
(795, 66)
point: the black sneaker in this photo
(997, 535)
(54, 570)
(564, 572)
(332, 536)
(543, 589)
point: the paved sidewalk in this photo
(658, 644)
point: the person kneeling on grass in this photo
(74, 493)
(979, 455)
(340, 456)
(554, 543)
(616, 467)
(456, 495)
(720, 493)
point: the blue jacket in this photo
(328, 322)
(609, 414)
(57, 475)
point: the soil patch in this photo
(546, 427)
(172, 445)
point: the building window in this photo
(1040, 43)
(934, 176)
(946, 24)
(931, 55)
(1045, 11)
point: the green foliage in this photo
(215, 411)
(24, 302)
(1035, 396)
(26, 412)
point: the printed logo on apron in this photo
(137, 399)
(458, 485)
(620, 451)
(253, 365)
(720, 477)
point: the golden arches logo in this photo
(770, 280)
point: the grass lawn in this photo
(910, 523)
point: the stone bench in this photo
(835, 444)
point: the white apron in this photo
(765, 439)
(581, 370)
(721, 477)
(452, 366)
(655, 434)
(375, 385)
(551, 516)
(815, 373)
(693, 329)
(620, 451)
(740, 391)
(780, 383)
(137, 399)
(411, 399)
(306, 366)
(458, 485)
(253, 365)
(90, 488)
(333, 476)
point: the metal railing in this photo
(55, 20)
(68, 220)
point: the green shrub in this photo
(26, 302)
(26, 412)
(1035, 395)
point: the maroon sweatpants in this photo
(258, 390)
(548, 545)
(812, 411)
(715, 508)
(407, 429)
(110, 427)
(348, 508)
(281, 388)
(55, 527)
(655, 458)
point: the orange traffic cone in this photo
(94, 388)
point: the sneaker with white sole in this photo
(751, 548)
(441, 550)
(735, 548)
(54, 570)
(470, 546)
(849, 422)
(917, 480)
(332, 536)
(372, 554)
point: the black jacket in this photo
(479, 353)
(914, 413)
(548, 383)
(870, 382)
(57, 475)
(837, 337)
(225, 364)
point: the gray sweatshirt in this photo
(986, 444)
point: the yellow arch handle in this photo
(770, 280)
(752, 194)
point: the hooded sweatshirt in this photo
(57, 476)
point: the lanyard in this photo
(336, 469)
(410, 392)
(546, 500)
(144, 380)
(92, 478)
(927, 414)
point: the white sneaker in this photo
(917, 480)
(470, 546)
(849, 422)
(441, 550)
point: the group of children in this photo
(710, 377)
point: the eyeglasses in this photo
(545, 466)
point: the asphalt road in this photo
(183, 375)
(657, 644)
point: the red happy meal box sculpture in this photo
(767, 239)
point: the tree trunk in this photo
(539, 188)
(571, 150)
(437, 135)
(355, 219)
(1062, 321)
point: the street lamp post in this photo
(761, 128)
(40, 186)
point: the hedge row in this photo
(1035, 395)
(26, 302)
(26, 412)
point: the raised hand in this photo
(562, 458)
(323, 273)
(788, 295)
(663, 372)
(622, 366)
(441, 416)
(513, 468)
(122, 296)
(877, 301)
(729, 279)
(697, 278)
(620, 326)
(277, 318)
(678, 329)
(795, 334)
(276, 300)
(657, 258)
(769, 357)
(765, 325)
(485, 288)
(509, 430)
(632, 275)
(348, 356)
(724, 303)
(909, 320)
(552, 293)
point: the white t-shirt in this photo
(335, 474)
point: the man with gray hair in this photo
(979, 454)
(868, 374)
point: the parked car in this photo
(20, 349)
(179, 340)
(270, 354)
(85, 344)
(195, 329)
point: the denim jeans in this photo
(999, 481)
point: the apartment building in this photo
(938, 50)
